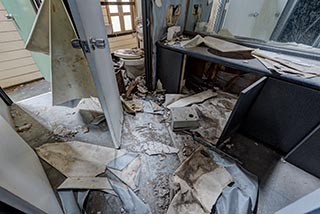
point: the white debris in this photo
(78, 159)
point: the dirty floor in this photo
(280, 182)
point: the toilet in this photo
(133, 61)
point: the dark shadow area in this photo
(256, 158)
(6, 209)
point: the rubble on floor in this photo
(93, 183)
(155, 148)
(152, 155)
(130, 175)
(196, 98)
(132, 106)
(214, 114)
(121, 162)
(78, 159)
(200, 182)
(24, 127)
(81, 162)
(62, 133)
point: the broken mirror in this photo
(280, 21)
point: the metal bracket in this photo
(97, 43)
(77, 43)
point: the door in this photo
(89, 23)
(23, 182)
(23, 15)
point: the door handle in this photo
(9, 16)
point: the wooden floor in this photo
(16, 64)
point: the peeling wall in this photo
(206, 9)
(159, 25)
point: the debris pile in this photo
(81, 163)
(24, 127)
(61, 133)
(158, 131)
(137, 98)
(200, 182)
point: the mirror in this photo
(285, 21)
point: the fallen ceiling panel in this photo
(201, 181)
(78, 159)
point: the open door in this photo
(23, 14)
(23, 182)
(89, 24)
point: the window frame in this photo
(120, 14)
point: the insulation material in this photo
(78, 159)
(201, 181)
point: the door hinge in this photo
(77, 43)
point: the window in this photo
(119, 14)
